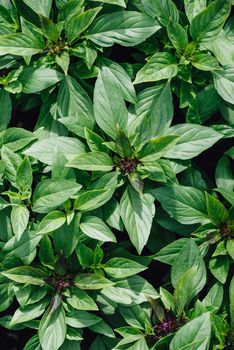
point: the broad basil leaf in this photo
(193, 140)
(208, 23)
(154, 110)
(52, 329)
(109, 106)
(49, 194)
(137, 213)
(37, 79)
(184, 204)
(20, 44)
(74, 102)
(127, 28)
(95, 228)
(166, 11)
(162, 65)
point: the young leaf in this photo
(162, 65)
(177, 35)
(157, 148)
(115, 73)
(194, 7)
(77, 24)
(166, 10)
(207, 24)
(217, 212)
(24, 176)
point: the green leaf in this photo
(170, 252)
(81, 319)
(29, 312)
(119, 77)
(80, 300)
(73, 101)
(214, 297)
(193, 140)
(37, 79)
(26, 274)
(51, 222)
(224, 83)
(223, 174)
(77, 24)
(127, 28)
(189, 257)
(93, 199)
(33, 343)
(194, 335)
(19, 220)
(6, 109)
(109, 108)
(92, 161)
(52, 329)
(24, 176)
(49, 194)
(194, 7)
(230, 248)
(185, 289)
(95, 228)
(20, 44)
(137, 212)
(229, 196)
(183, 203)
(205, 62)
(231, 294)
(91, 281)
(166, 10)
(206, 25)
(12, 162)
(157, 148)
(154, 110)
(162, 65)
(122, 267)
(41, 6)
(44, 149)
(177, 35)
(218, 214)
(219, 268)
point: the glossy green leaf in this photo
(127, 28)
(137, 213)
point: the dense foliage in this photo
(116, 206)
